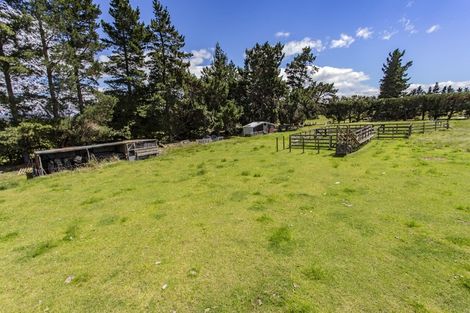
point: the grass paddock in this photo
(234, 226)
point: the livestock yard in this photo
(234, 226)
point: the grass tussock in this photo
(264, 219)
(281, 239)
(71, 233)
(9, 236)
(40, 249)
(5, 184)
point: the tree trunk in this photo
(12, 105)
(50, 82)
(126, 64)
(78, 85)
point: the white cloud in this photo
(197, 60)
(282, 34)
(103, 58)
(387, 35)
(295, 47)
(433, 28)
(343, 42)
(346, 80)
(364, 32)
(454, 84)
(408, 26)
(410, 3)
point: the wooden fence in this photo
(327, 138)
(350, 140)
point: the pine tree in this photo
(395, 80)
(80, 45)
(127, 37)
(299, 79)
(436, 88)
(13, 52)
(299, 71)
(45, 14)
(168, 68)
(219, 80)
(263, 83)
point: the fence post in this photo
(290, 143)
(283, 143)
(447, 124)
(318, 145)
(303, 144)
(330, 144)
(435, 125)
(277, 144)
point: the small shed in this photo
(56, 160)
(258, 128)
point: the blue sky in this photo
(350, 38)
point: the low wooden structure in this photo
(350, 140)
(56, 160)
(326, 138)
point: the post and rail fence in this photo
(327, 138)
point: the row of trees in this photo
(53, 75)
(58, 90)
(433, 106)
(396, 103)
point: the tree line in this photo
(395, 102)
(53, 79)
(58, 90)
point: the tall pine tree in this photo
(14, 53)
(45, 14)
(127, 37)
(168, 65)
(263, 82)
(80, 45)
(219, 80)
(299, 79)
(395, 80)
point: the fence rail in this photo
(326, 138)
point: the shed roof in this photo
(255, 124)
(78, 148)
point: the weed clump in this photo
(71, 232)
(40, 248)
(4, 185)
(313, 272)
(8, 236)
(108, 220)
(91, 200)
(264, 219)
(257, 207)
(281, 238)
(411, 224)
(463, 208)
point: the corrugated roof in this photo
(255, 124)
(78, 148)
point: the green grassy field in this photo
(236, 227)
